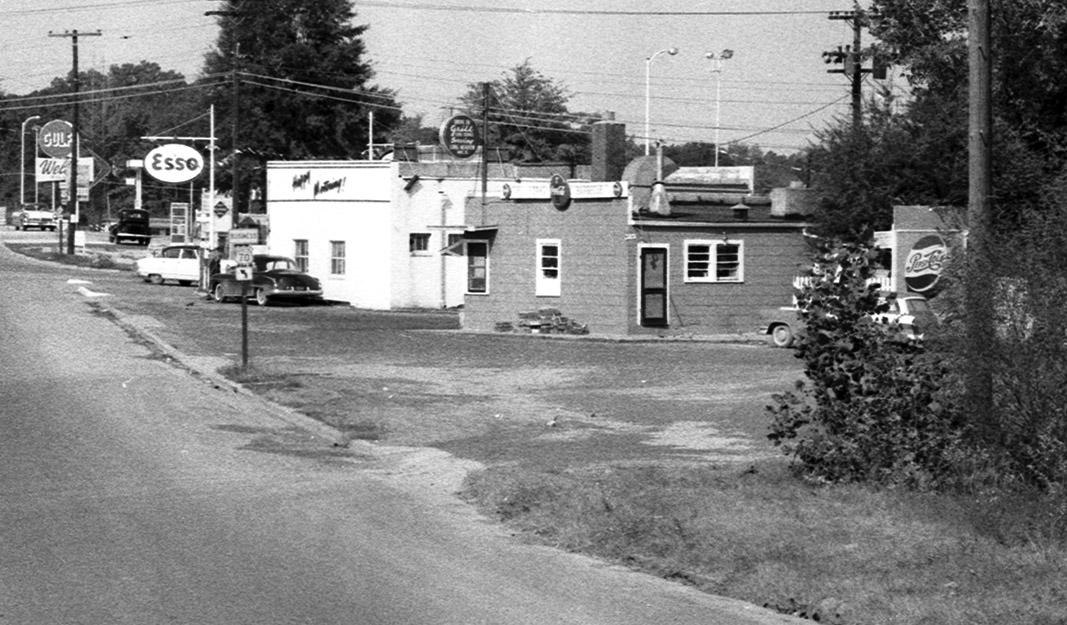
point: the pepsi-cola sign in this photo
(925, 261)
(174, 162)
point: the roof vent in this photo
(740, 211)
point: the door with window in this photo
(652, 282)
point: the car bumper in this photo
(295, 293)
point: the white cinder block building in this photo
(376, 232)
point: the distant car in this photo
(180, 263)
(274, 279)
(33, 216)
(909, 311)
(132, 226)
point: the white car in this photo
(180, 263)
(908, 312)
(31, 216)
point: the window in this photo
(547, 282)
(477, 267)
(337, 258)
(300, 254)
(714, 261)
(419, 242)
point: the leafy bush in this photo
(872, 407)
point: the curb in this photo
(292, 417)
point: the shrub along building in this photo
(643, 248)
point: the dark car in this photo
(274, 279)
(132, 226)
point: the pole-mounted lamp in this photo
(725, 55)
(22, 158)
(648, 94)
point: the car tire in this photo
(782, 335)
(155, 278)
(261, 297)
(218, 293)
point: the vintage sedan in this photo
(34, 216)
(274, 279)
(180, 263)
(910, 313)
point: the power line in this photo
(585, 12)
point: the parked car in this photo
(274, 278)
(33, 216)
(180, 263)
(131, 226)
(909, 311)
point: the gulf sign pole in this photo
(55, 139)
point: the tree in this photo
(528, 117)
(116, 109)
(303, 77)
(1029, 40)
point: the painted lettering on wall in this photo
(301, 180)
(328, 185)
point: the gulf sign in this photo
(55, 138)
(174, 162)
(925, 261)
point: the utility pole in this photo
(235, 99)
(978, 277)
(851, 57)
(75, 147)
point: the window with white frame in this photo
(714, 261)
(477, 267)
(337, 258)
(419, 242)
(300, 254)
(547, 282)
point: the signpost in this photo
(242, 272)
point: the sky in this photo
(775, 91)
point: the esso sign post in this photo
(174, 162)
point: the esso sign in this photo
(174, 162)
(54, 138)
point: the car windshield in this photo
(273, 263)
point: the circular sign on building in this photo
(55, 138)
(174, 162)
(560, 192)
(459, 135)
(922, 269)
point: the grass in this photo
(52, 254)
(841, 554)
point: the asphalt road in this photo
(134, 492)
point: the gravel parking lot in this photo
(413, 378)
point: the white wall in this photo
(324, 201)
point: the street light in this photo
(725, 55)
(22, 159)
(648, 92)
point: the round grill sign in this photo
(459, 135)
(922, 269)
(174, 162)
(55, 137)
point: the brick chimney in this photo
(608, 151)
